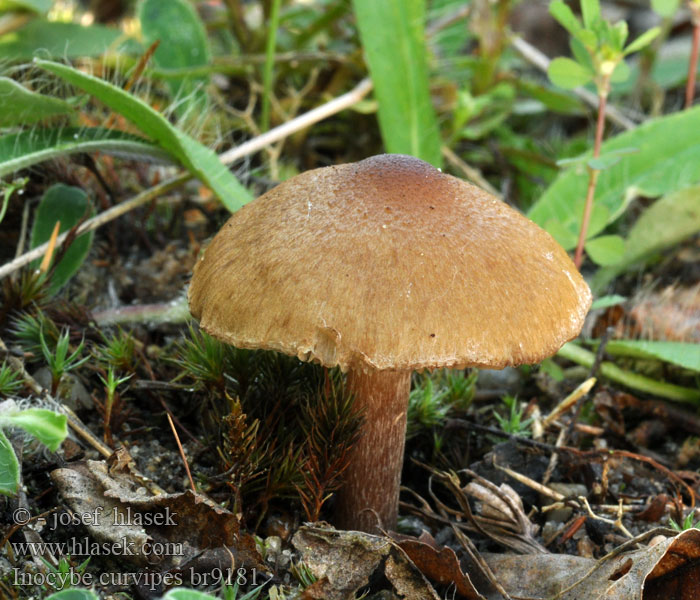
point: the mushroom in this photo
(383, 267)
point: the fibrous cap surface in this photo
(388, 264)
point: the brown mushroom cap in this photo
(388, 263)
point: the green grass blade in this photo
(670, 220)
(392, 33)
(576, 353)
(198, 159)
(20, 106)
(682, 354)
(269, 64)
(22, 150)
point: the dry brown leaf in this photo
(344, 561)
(664, 571)
(440, 565)
(171, 530)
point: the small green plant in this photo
(230, 592)
(10, 380)
(426, 406)
(29, 329)
(688, 523)
(460, 387)
(203, 358)
(59, 360)
(112, 399)
(599, 50)
(434, 396)
(303, 574)
(513, 423)
(118, 351)
(63, 572)
(27, 290)
(46, 426)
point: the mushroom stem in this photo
(370, 495)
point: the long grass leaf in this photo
(22, 150)
(392, 33)
(198, 159)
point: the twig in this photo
(98, 221)
(23, 229)
(616, 523)
(182, 452)
(541, 61)
(46, 261)
(175, 311)
(301, 122)
(469, 171)
(569, 401)
(603, 89)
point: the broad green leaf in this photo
(564, 237)
(48, 427)
(37, 6)
(683, 354)
(182, 46)
(668, 160)
(587, 37)
(392, 33)
(21, 150)
(68, 205)
(603, 161)
(198, 159)
(605, 249)
(621, 72)
(56, 39)
(607, 160)
(599, 216)
(670, 68)
(607, 301)
(20, 106)
(567, 73)
(590, 10)
(665, 8)
(643, 40)
(9, 467)
(665, 223)
(618, 34)
(581, 55)
(74, 594)
(566, 17)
